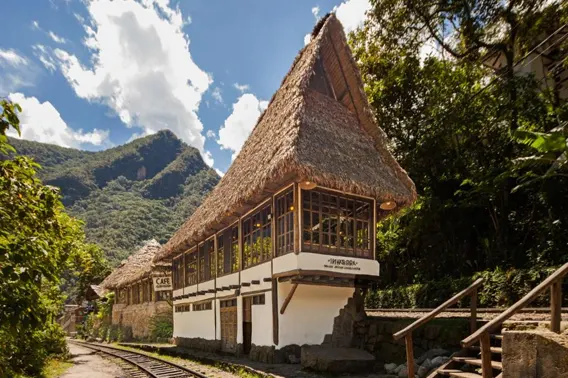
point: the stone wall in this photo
(137, 317)
(535, 354)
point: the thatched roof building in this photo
(318, 127)
(137, 266)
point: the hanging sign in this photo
(162, 283)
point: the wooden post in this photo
(409, 354)
(486, 368)
(473, 307)
(555, 306)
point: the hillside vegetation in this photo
(127, 194)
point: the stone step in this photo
(458, 373)
(477, 362)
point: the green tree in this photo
(38, 243)
(450, 119)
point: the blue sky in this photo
(92, 74)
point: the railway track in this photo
(146, 366)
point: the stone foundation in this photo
(535, 354)
(137, 317)
(198, 343)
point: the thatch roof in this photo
(137, 266)
(317, 127)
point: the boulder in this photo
(336, 360)
(439, 361)
(390, 368)
(431, 354)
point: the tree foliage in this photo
(39, 243)
(461, 130)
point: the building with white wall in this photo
(287, 237)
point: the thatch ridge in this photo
(137, 266)
(296, 138)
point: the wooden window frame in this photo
(256, 229)
(190, 260)
(284, 206)
(341, 241)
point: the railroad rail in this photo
(147, 365)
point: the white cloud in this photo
(16, 71)
(351, 13)
(40, 121)
(79, 18)
(56, 38)
(211, 134)
(240, 122)
(315, 12)
(241, 87)
(44, 56)
(219, 172)
(35, 25)
(141, 68)
(11, 57)
(217, 95)
(307, 38)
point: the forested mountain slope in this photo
(127, 194)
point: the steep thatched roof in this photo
(134, 268)
(317, 127)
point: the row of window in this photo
(331, 223)
(140, 292)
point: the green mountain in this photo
(127, 194)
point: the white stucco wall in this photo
(310, 314)
(256, 273)
(194, 324)
(262, 322)
(228, 280)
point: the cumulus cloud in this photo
(240, 122)
(217, 95)
(40, 121)
(351, 13)
(307, 38)
(16, 71)
(219, 172)
(56, 38)
(315, 12)
(211, 134)
(141, 67)
(241, 87)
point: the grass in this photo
(55, 368)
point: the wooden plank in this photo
(275, 311)
(486, 368)
(297, 231)
(288, 299)
(555, 306)
(523, 302)
(426, 318)
(473, 310)
(409, 355)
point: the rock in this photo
(439, 361)
(293, 359)
(399, 368)
(431, 354)
(390, 368)
(336, 360)
(427, 365)
(422, 371)
(403, 373)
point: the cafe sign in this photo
(162, 283)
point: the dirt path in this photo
(88, 364)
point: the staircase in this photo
(467, 363)
(484, 360)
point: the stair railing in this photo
(407, 332)
(554, 282)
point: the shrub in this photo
(501, 288)
(161, 326)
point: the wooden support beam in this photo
(473, 316)
(486, 368)
(555, 306)
(409, 354)
(267, 279)
(288, 298)
(275, 338)
(246, 284)
(255, 282)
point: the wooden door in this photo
(247, 324)
(229, 325)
